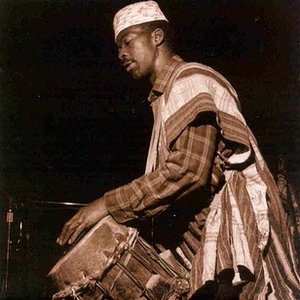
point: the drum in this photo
(113, 262)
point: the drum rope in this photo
(145, 292)
(127, 259)
(74, 294)
(105, 292)
(171, 271)
(142, 261)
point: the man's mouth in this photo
(127, 65)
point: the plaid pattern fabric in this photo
(234, 232)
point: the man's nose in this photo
(122, 54)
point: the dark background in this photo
(74, 125)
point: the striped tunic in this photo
(221, 230)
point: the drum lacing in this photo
(74, 294)
(76, 288)
(105, 292)
(145, 292)
(170, 271)
(178, 283)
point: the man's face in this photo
(137, 51)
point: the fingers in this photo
(72, 226)
(84, 219)
(75, 234)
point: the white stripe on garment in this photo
(257, 190)
(241, 252)
(212, 228)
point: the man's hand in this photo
(85, 218)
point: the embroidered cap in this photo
(137, 13)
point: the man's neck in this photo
(162, 58)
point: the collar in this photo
(163, 77)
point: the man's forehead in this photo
(130, 30)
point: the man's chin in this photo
(137, 76)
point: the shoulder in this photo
(190, 79)
(188, 70)
(199, 78)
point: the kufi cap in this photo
(137, 13)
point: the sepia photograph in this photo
(150, 149)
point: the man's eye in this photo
(127, 42)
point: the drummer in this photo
(214, 202)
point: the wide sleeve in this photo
(196, 89)
(187, 168)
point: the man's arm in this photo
(188, 167)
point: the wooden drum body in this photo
(112, 262)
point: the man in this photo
(205, 180)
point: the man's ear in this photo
(159, 36)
